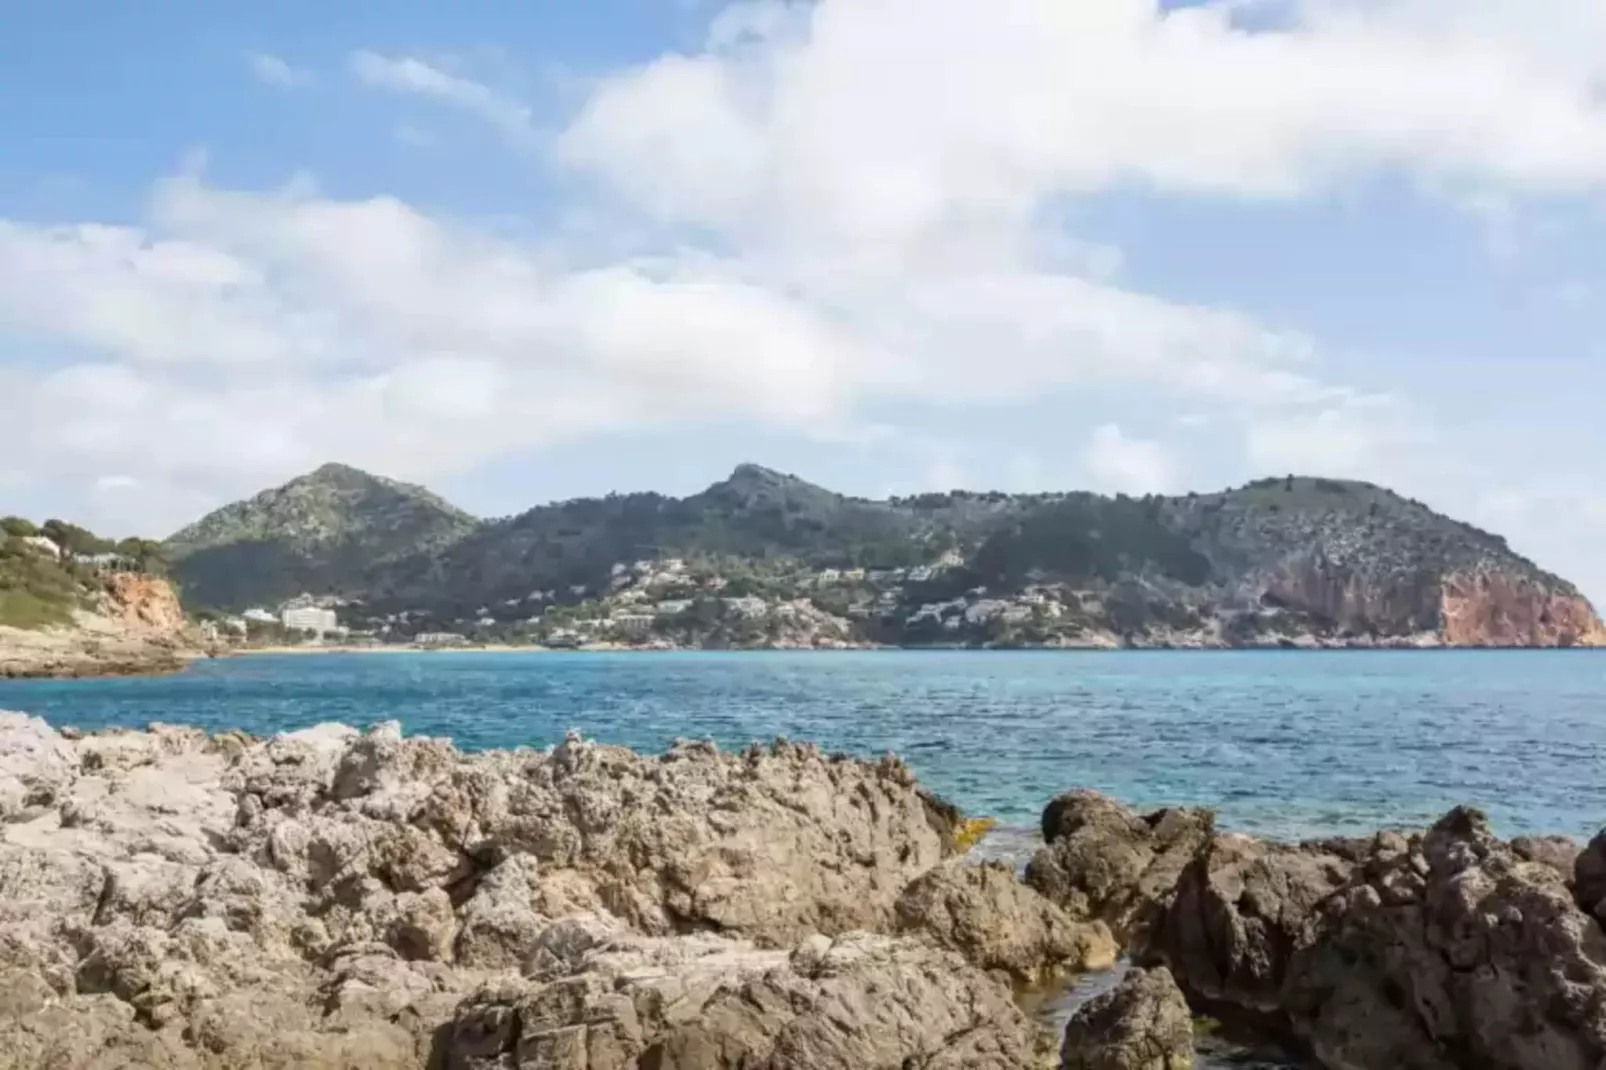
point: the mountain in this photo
(763, 557)
(324, 533)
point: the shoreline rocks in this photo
(335, 898)
(1431, 950)
(1142, 1024)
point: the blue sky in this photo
(523, 251)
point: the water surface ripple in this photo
(1283, 743)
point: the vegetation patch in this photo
(971, 831)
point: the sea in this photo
(1287, 744)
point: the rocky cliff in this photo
(121, 624)
(1497, 608)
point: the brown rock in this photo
(1423, 952)
(1101, 861)
(998, 923)
(1142, 1024)
(858, 1002)
(1560, 853)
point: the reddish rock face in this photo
(1497, 608)
(1488, 606)
(146, 602)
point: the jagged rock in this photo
(1560, 853)
(1101, 861)
(1001, 924)
(1589, 877)
(1423, 952)
(1142, 1024)
(858, 1002)
(328, 898)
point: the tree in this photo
(18, 526)
(1288, 484)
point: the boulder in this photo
(1141, 1024)
(998, 923)
(856, 1002)
(1101, 861)
(1419, 951)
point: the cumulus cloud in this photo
(886, 120)
(824, 213)
(271, 70)
(1118, 463)
(406, 74)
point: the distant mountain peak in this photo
(335, 470)
(747, 471)
(319, 532)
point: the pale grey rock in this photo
(332, 898)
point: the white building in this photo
(439, 639)
(747, 606)
(634, 625)
(261, 616)
(310, 619)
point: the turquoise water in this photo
(1283, 743)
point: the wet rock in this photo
(1101, 861)
(998, 923)
(1142, 1024)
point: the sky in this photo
(531, 249)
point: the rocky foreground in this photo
(330, 898)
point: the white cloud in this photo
(828, 212)
(236, 337)
(1361, 437)
(406, 74)
(799, 125)
(271, 70)
(1118, 463)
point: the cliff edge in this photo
(87, 614)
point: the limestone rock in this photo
(858, 1002)
(329, 898)
(998, 923)
(1101, 861)
(1424, 952)
(1142, 1024)
(1558, 852)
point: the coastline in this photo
(934, 648)
(170, 663)
(298, 908)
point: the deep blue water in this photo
(1282, 743)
